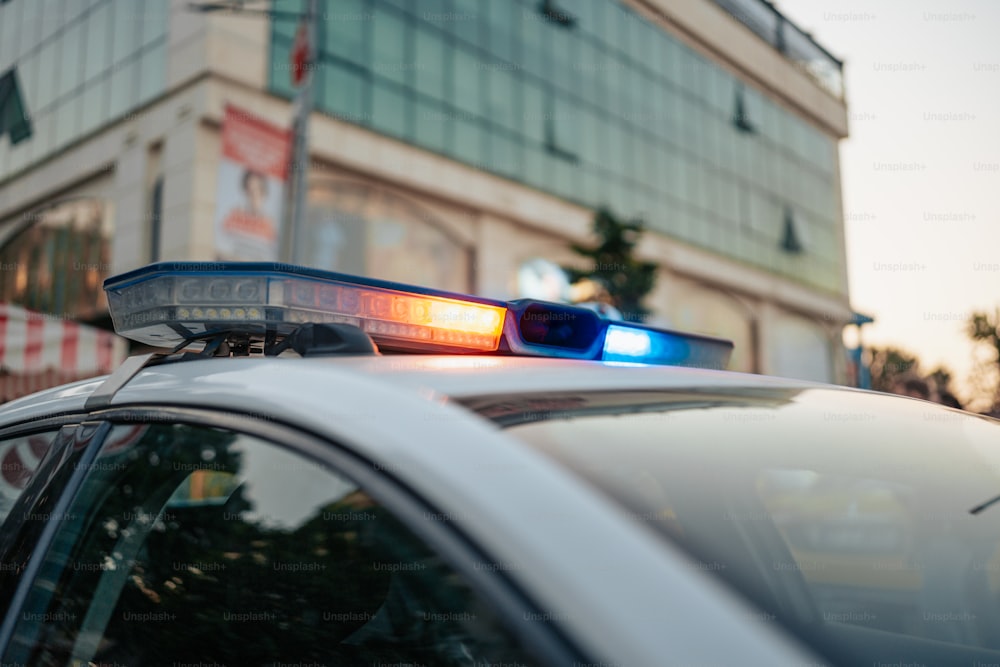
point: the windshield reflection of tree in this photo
(124, 493)
(215, 580)
(238, 592)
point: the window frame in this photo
(54, 424)
(513, 607)
(85, 436)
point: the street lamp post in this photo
(298, 167)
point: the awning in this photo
(38, 351)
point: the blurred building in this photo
(453, 140)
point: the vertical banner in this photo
(300, 54)
(252, 173)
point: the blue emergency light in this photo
(172, 303)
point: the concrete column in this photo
(205, 172)
(766, 314)
(187, 43)
(129, 197)
(179, 155)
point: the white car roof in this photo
(462, 376)
(456, 376)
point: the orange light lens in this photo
(391, 315)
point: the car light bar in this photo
(167, 304)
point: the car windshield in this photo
(862, 522)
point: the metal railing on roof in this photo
(764, 20)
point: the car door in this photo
(195, 538)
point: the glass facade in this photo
(592, 103)
(58, 261)
(81, 64)
(367, 231)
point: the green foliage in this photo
(627, 279)
(981, 328)
(941, 377)
(889, 366)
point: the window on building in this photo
(59, 260)
(14, 120)
(430, 63)
(344, 92)
(554, 12)
(343, 32)
(561, 129)
(392, 110)
(790, 238)
(741, 119)
(391, 56)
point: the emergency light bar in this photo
(168, 304)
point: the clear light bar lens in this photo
(166, 308)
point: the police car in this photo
(324, 470)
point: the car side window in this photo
(20, 457)
(195, 545)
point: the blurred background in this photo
(684, 162)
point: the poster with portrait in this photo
(250, 193)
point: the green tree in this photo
(984, 328)
(940, 379)
(889, 366)
(627, 279)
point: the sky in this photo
(921, 168)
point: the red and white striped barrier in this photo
(38, 351)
